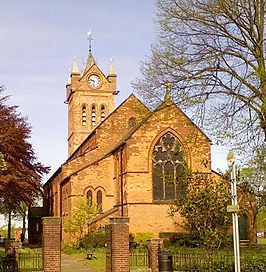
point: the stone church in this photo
(120, 158)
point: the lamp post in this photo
(234, 209)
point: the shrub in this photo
(180, 239)
(68, 248)
(139, 240)
(93, 240)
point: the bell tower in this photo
(90, 99)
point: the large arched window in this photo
(99, 197)
(168, 162)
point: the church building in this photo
(121, 158)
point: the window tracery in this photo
(168, 161)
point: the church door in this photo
(243, 227)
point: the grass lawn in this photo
(261, 241)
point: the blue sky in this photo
(38, 42)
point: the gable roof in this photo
(119, 144)
(168, 102)
(101, 124)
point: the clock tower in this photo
(90, 99)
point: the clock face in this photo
(94, 81)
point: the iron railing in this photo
(139, 258)
(30, 262)
(22, 263)
(202, 261)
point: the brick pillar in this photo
(117, 260)
(51, 244)
(154, 247)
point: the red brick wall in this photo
(52, 244)
(119, 245)
(154, 249)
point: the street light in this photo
(234, 209)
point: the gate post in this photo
(154, 247)
(117, 257)
(51, 244)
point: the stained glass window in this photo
(168, 162)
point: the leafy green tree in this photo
(203, 205)
(4, 231)
(213, 52)
(252, 178)
(83, 213)
(261, 220)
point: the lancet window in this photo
(93, 115)
(84, 115)
(168, 164)
(99, 197)
(89, 197)
(102, 112)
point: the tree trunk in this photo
(9, 226)
(24, 222)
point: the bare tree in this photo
(213, 52)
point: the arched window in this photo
(84, 115)
(102, 113)
(132, 122)
(99, 200)
(93, 115)
(89, 197)
(168, 162)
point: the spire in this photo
(112, 67)
(89, 63)
(89, 37)
(167, 96)
(75, 69)
(90, 60)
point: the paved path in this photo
(68, 264)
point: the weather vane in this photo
(89, 36)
